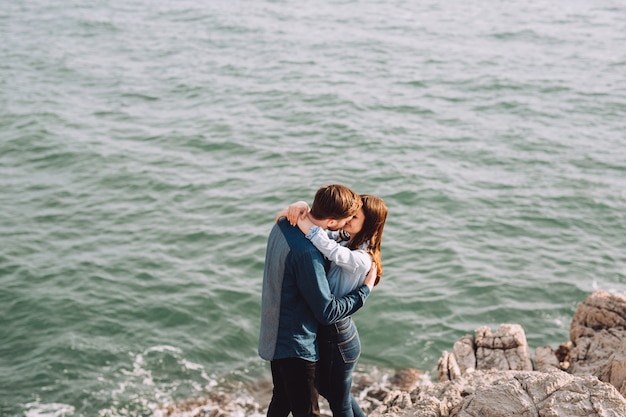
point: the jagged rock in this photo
(598, 335)
(517, 393)
(600, 310)
(504, 350)
(546, 359)
(614, 372)
(447, 367)
(594, 384)
(464, 351)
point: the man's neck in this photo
(321, 223)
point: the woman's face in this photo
(355, 224)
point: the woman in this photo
(351, 260)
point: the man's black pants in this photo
(294, 389)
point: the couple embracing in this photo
(321, 265)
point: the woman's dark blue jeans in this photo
(340, 348)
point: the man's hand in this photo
(370, 279)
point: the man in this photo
(296, 298)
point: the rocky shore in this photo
(487, 374)
(492, 374)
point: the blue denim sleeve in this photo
(313, 285)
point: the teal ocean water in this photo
(146, 146)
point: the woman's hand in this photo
(370, 279)
(294, 212)
(282, 213)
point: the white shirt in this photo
(348, 268)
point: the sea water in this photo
(146, 147)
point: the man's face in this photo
(338, 224)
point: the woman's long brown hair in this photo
(375, 212)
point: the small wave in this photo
(37, 409)
(163, 349)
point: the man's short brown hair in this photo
(335, 202)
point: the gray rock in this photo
(504, 350)
(598, 335)
(614, 372)
(516, 393)
(491, 374)
(546, 359)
